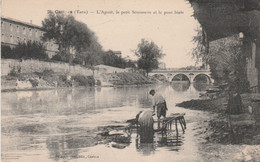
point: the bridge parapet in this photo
(190, 74)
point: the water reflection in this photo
(61, 124)
(68, 101)
(145, 148)
(180, 86)
(170, 142)
(201, 87)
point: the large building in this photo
(14, 31)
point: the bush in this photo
(47, 72)
(62, 57)
(57, 57)
(13, 72)
(98, 83)
(30, 50)
(6, 52)
(84, 80)
(63, 82)
(77, 61)
(34, 82)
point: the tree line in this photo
(77, 44)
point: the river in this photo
(63, 124)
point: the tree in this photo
(110, 59)
(226, 60)
(67, 32)
(200, 52)
(149, 54)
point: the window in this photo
(36, 34)
(30, 32)
(2, 25)
(24, 30)
(11, 27)
(24, 40)
(2, 38)
(18, 39)
(11, 39)
(17, 29)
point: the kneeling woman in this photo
(146, 131)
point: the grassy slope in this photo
(125, 78)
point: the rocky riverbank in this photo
(230, 136)
(243, 129)
(125, 78)
(43, 80)
(48, 79)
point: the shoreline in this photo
(49, 80)
(242, 131)
(240, 142)
(56, 88)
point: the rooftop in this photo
(20, 22)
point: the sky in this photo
(118, 26)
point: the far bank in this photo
(39, 75)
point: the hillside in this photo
(43, 80)
(124, 78)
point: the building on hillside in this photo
(14, 31)
(117, 53)
(162, 65)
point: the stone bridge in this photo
(182, 75)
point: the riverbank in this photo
(48, 79)
(126, 78)
(230, 137)
(244, 126)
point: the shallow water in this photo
(63, 125)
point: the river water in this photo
(63, 124)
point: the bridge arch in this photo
(204, 78)
(180, 77)
(159, 76)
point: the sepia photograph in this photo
(130, 81)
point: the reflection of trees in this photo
(200, 86)
(180, 87)
(201, 78)
(70, 101)
(180, 77)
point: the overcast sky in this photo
(173, 32)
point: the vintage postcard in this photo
(132, 81)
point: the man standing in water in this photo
(159, 103)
